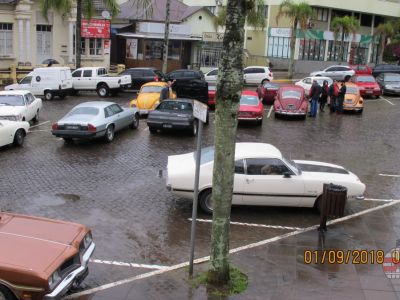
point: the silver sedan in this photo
(95, 119)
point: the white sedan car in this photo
(262, 177)
(306, 83)
(19, 106)
(211, 76)
(13, 132)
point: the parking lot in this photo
(118, 190)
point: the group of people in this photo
(320, 94)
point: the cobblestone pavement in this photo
(116, 189)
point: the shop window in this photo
(320, 14)
(312, 49)
(153, 49)
(95, 47)
(378, 20)
(366, 20)
(174, 49)
(278, 47)
(6, 38)
(359, 53)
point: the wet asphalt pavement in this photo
(116, 189)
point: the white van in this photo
(47, 82)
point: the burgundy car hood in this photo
(290, 103)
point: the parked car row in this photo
(251, 75)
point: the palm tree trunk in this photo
(292, 49)
(78, 26)
(166, 38)
(381, 48)
(342, 47)
(230, 83)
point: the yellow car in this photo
(353, 100)
(149, 96)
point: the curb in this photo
(285, 80)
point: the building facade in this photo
(317, 43)
(27, 38)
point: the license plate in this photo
(72, 127)
(368, 92)
(144, 111)
(167, 126)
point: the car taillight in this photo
(91, 128)
(155, 78)
(54, 126)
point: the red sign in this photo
(95, 29)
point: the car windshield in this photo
(271, 86)
(351, 90)
(291, 95)
(365, 79)
(13, 100)
(392, 78)
(151, 89)
(93, 111)
(292, 165)
(249, 100)
(175, 105)
(207, 155)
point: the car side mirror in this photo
(287, 175)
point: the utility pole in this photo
(166, 38)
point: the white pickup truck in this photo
(97, 79)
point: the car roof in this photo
(14, 92)
(149, 68)
(98, 104)
(291, 87)
(385, 74)
(249, 150)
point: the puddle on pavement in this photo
(57, 199)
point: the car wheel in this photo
(103, 90)
(259, 122)
(36, 117)
(152, 130)
(109, 136)
(318, 204)
(205, 201)
(194, 128)
(264, 81)
(135, 123)
(68, 140)
(6, 294)
(19, 137)
(48, 95)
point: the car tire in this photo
(74, 93)
(48, 95)
(318, 204)
(135, 122)
(109, 135)
(205, 201)
(6, 294)
(360, 111)
(195, 128)
(19, 137)
(259, 122)
(36, 117)
(103, 90)
(152, 130)
(264, 81)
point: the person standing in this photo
(324, 96)
(333, 94)
(340, 100)
(314, 95)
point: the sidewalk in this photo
(277, 270)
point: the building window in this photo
(42, 28)
(320, 14)
(334, 51)
(366, 20)
(263, 10)
(6, 39)
(174, 50)
(95, 47)
(312, 49)
(359, 53)
(278, 47)
(153, 49)
(378, 20)
(211, 9)
(208, 55)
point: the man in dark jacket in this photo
(315, 93)
(333, 93)
(340, 99)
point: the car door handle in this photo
(249, 180)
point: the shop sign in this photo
(150, 27)
(106, 46)
(280, 32)
(95, 29)
(131, 48)
(213, 36)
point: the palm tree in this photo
(345, 26)
(385, 31)
(166, 37)
(298, 14)
(85, 8)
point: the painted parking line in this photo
(40, 124)
(387, 100)
(389, 175)
(235, 250)
(124, 264)
(380, 200)
(270, 111)
(39, 130)
(252, 225)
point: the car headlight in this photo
(388, 86)
(87, 240)
(54, 279)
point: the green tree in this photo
(229, 87)
(298, 14)
(344, 26)
(84, 8)
(385, 31)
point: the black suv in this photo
(385, 68)
(141, 76)
(185, 75)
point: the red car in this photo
(267, 92)
(291, 101)
(367, 85)
(251, 108)
(212, 88)
(361, 69)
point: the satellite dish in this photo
(105, 14)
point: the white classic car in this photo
(19, 106)
(13, 132)
(262, 177)
(306, 82)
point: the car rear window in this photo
(249, 100)
(291, 94)
(151, 89)
(212, 87)
(13, 100)
(351, 90)
(271, 86)
(393, 78)
(93, 111)
(365, 79)
(176, 106)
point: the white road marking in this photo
(40, 124)
(389, 175)
(387, 100)
(124, 264)
(39, 130)
(380, 200)
(270, 111)
(252, 225)
(206, 258)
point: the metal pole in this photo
(195, 198)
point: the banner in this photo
(95, 29)
(131, 48)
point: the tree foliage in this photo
(344, 26)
